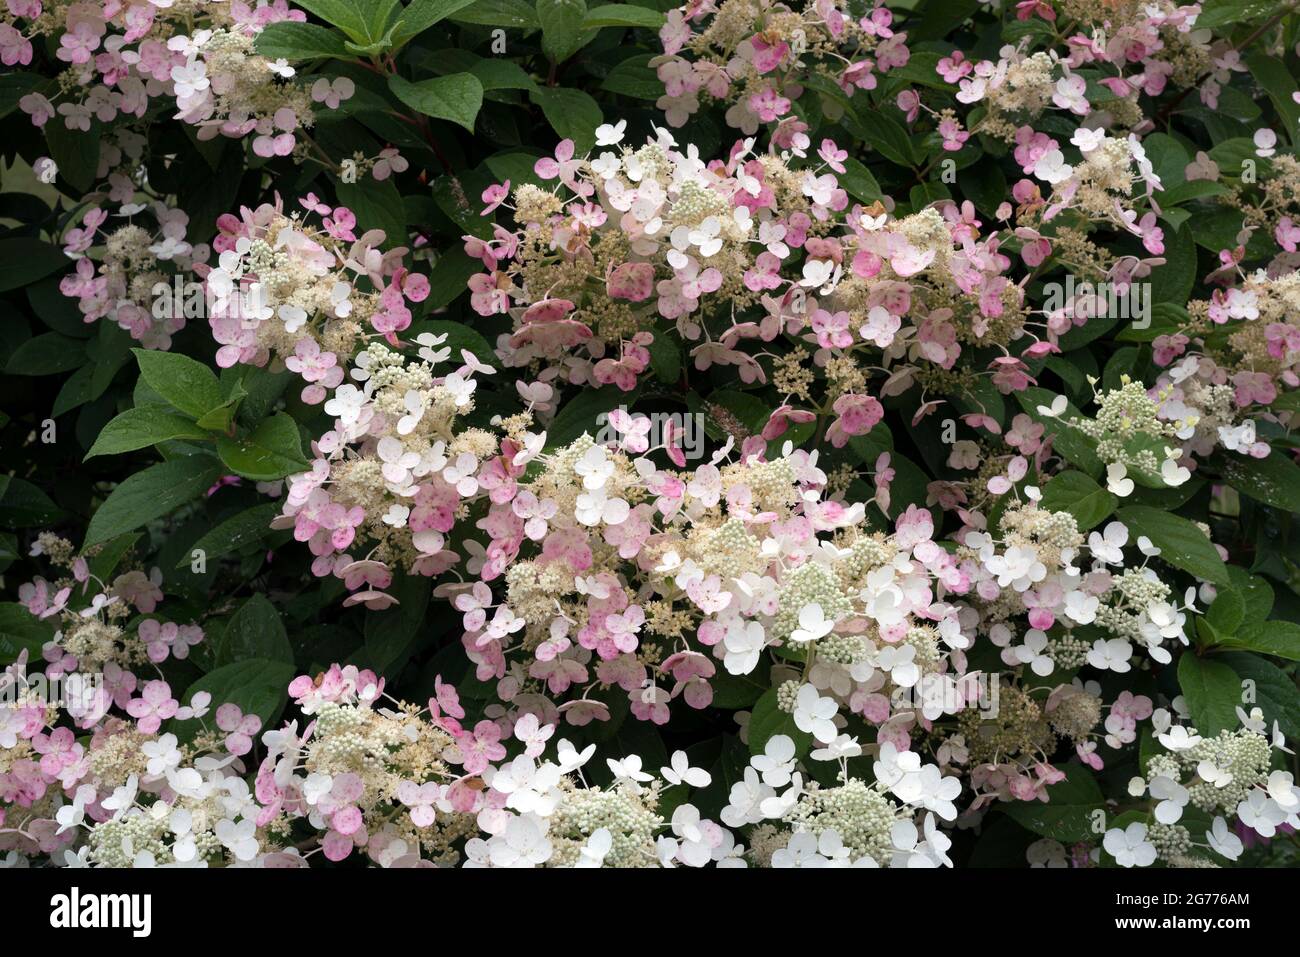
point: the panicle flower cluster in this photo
(1237, 354)
(758, 56)
(1197, 784)
(617, 574)
(1153, 437)
(303, 296)
(138, 258)
(1112, 56)
(741, 251)
(98, 612)
(627, 586)
(395, 472)
(128, 63)
(905, 670)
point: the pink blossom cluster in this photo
(136, 281)
(307, 296)
(739, 252)
(759, 58)
(396, 469)
(125, 59)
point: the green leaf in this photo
(21, 630)
(1278, 638)
(1275, 691)
(187, 384)
(234, 533)
(151, 494)
(456, 98)
(923, 194)
(75, 391)
(516, 167)
(103, 564)
(571, 113)
(1196, 189)
(14, 86)
(1077, 448)
(218, 419)
(364, 21)
(1274, 480)
(1216, 13)
(76, 153)
(299, 41)
(452, 193)
(419, 15)
(1212, 691)
(858, 181)
(448, 278)
(47, 354)
(767, 721)
(506, 14)
(24, 261)
(378, 204)
(581, 414)
(502, 75)
(1255, 591)
(1181, 543)
(23, 505)
(272, 451)
(634, 77)
(1068, 814)
(984, 184)
(254, 631)
(108, 352)
(563, 30)
(373, 48)
(258, 686)
(732, 692)
(883, 134)
(1170, 159)
(1166, 319)
(748, 408)
(623, 15)
(1076, 493)
(141, 427)
(390, 634)
(666, 359)
(1290, 402)
(1226, 613)
(1173, 281)
(262, 389)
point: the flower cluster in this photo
(747, 251)
(305, 296)
(1194, 785)
(140, 263)
(758, 57)
(96, 601)
(126, 63)
(1234, 357)
(394, 473)
(414, 787)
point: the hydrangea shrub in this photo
(502, 433)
